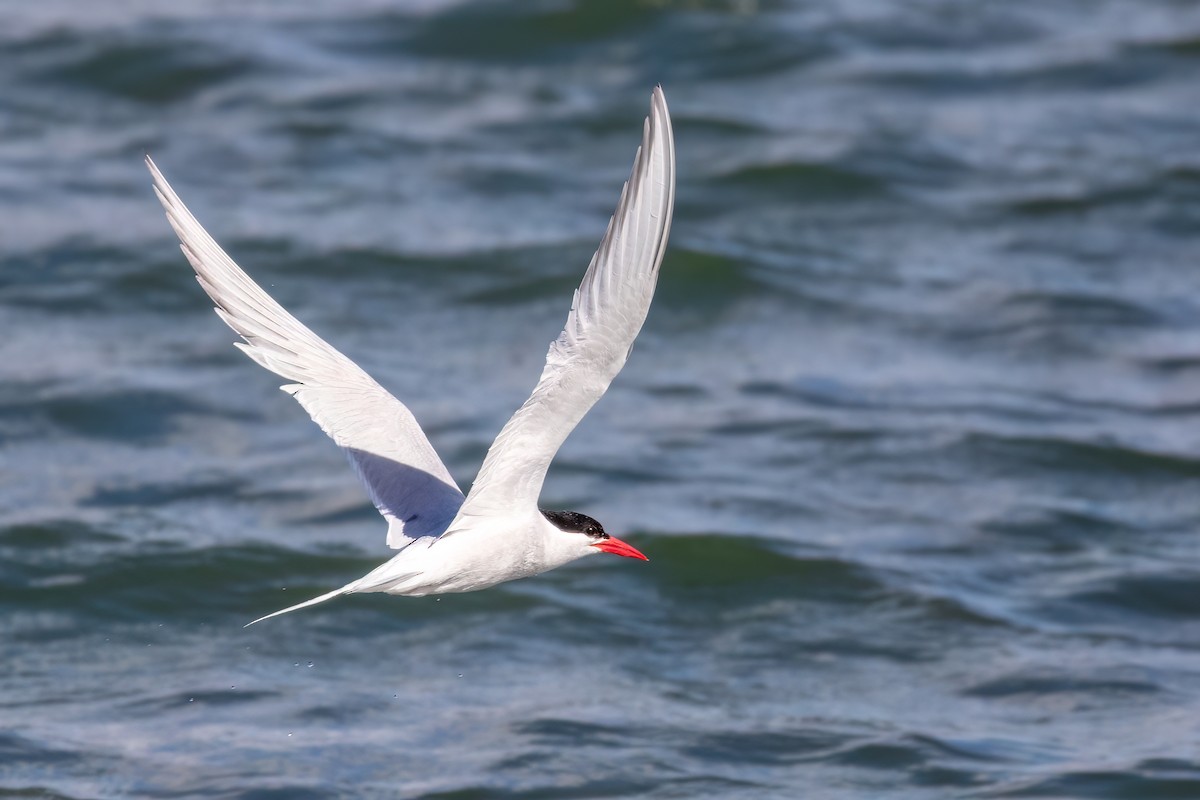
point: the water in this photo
(912, 435)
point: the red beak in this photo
(619, 548)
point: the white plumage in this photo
(449, 543)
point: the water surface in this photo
(911, 437)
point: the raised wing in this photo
(607, 312)
(404, 476)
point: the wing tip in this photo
(658, 102)
(155, 174)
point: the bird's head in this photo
(590, 534)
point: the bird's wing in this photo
(607, 312)
(403, 474)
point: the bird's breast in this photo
(467, 560)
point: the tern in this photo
(449, 542)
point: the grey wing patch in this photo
(399, 489)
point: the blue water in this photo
(911, 436)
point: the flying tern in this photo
(449, 542)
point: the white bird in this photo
(497, 533)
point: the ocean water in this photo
(911, 436)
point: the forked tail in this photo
(327, 596)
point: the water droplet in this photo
(460, 674)
(232, 687)
(310, 665)
(191, 699)
(289, 735)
